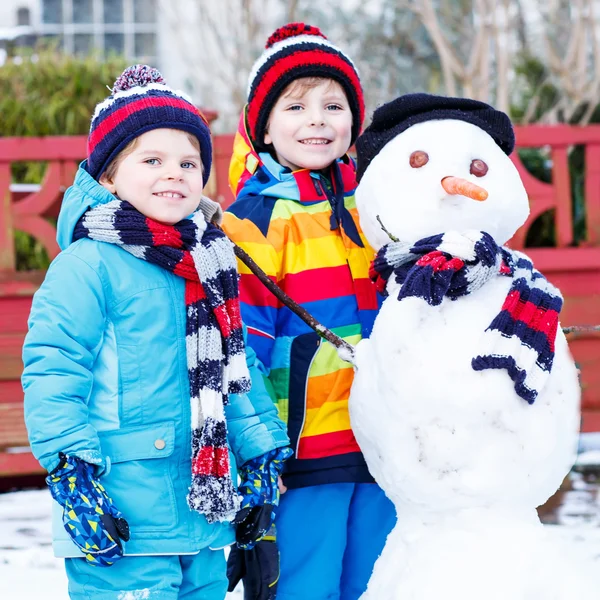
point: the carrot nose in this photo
(462, 187)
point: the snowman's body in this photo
(464, 459)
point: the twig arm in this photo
(347, 350)
(581, 329)
(321, 330)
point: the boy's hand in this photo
(281, 486)
(258, 568)
(251, 524)
(95, 525)
(259, 489)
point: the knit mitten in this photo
(259, 496)
(90, 518)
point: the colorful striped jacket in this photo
(289, 223)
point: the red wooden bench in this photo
(15, 302)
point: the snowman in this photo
(466, 399)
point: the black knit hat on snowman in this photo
(391, 119)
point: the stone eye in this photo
(478, 167)
(418, 159)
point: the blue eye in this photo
(190, 165)
(334, 107)
(152, 161)
(295, 107)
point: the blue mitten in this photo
(89, 517)
(260, 494)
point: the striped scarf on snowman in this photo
(216, 359)
(521, 338)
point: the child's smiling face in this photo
(161, 176)
(310, 127)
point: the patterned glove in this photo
(89, 516)
(260, 494)
(258, 568)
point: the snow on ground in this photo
(29, 571)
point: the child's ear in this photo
(104, 181)
(268, 139)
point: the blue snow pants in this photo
(180, 577)
(329, 537)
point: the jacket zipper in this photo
(312, 360)
(318, 185)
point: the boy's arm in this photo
(254, 427)
(66, 328)
(259, 307)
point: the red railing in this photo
(576, 270)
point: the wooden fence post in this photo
(7, 246)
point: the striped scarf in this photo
(521, 337)
(216, 359)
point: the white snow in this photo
(591, 457)
(28, 569)
(589, 442)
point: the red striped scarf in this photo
(216, 358)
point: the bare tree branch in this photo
(292, 9)
(474, 62)
(448, 59)
(470, 48)
(502, 55)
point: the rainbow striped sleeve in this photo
(258, 305)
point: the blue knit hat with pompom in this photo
(141, 101)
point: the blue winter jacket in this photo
(106, 379)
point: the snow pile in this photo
(28, 569)
(465, 460)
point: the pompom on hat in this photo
(391, 119)
(293, 51)
(141, 101)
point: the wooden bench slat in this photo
(11, 392)
(12, 426)
(14, 312)
(11, 363)
(22, 463)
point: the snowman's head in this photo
(415, 186)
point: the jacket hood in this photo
(85, 193)
(245, 159)
(276, 180)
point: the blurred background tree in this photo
(219, 43)
(510, 53)
(538, 60)
(46, 92)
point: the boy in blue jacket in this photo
(137, 379)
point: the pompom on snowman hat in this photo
(394, 117)
(294, 51)
(141, 101)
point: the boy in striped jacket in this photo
(295, 215)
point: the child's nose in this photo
(174, 172)
(317, 117)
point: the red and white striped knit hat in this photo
(293, 51)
